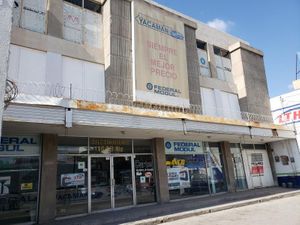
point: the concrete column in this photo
(228, 165)
(162, 187)
(212, 60)
(5, 32)
(118, 48)
(249, 75)
(55, 18)
(47, 201)
(272, 163)
(192, 65)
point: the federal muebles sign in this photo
(160, 67)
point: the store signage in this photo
(292, 115)
(148, 22)
(19, 145)
(26, 186)
(160, 74)
(183, 147)
(178, 178)
(72, 179)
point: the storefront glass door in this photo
(111, 182)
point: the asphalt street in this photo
(285, 211)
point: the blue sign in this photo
(156, 25)
(183, 147)
(202, 60)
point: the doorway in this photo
(111, 182)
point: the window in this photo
(220, 103)
(82, 24)
(30, 15)
(203, 58)
(72, 177)
(87, 4)
(223, 64)
(19, 179)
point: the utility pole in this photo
(5, 33)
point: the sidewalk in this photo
(155, 214)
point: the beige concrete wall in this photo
(42, 42)
(215, 37)
(249, 76)
(214, 83)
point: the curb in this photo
(197, 212)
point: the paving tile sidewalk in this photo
(157, 213)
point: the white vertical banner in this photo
(160, 73)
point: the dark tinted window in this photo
(93, 6)
(75, 2)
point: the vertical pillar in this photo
(193, 66)
(55, 18)
(228, 165)
(272, 164)
(212, 61)
(47, 201)
(162, 186)
(5, 31)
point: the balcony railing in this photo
(71, 92)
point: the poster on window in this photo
(72, 179)
(160, 75)
(178, 178)
(257, 164)
(4, 185)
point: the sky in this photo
(272, 26)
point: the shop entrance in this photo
(111, 182)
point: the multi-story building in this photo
(124, 103)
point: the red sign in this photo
(290, 116)
(257, 169)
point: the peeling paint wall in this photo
(5, 31)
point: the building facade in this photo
(286, 111)
(125, 103)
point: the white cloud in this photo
(220, 24)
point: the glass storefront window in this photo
(72, 185)
(186, 168)
(19, 179)
(142, 146)
(239, 172)
(72, 145)
(144, 178)
(215, 169)
(72, 176)
(110, 146)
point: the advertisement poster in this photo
(178, 178)
(4, 185)
(160, 73)
(257, 164)
(72, 179)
